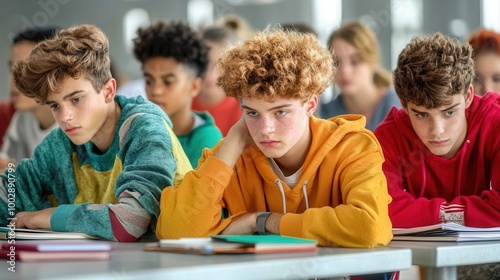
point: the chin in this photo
(77, 141)
(272, 153)
(440, 152)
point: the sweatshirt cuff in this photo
(291, 225)
(216, 170)
(60, 217)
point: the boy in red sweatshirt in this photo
(442, 156)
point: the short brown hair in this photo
(275, 64)
(431, 69)
(75, 52)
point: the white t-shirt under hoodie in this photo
(23, 135)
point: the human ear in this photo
(469, 96)
(196, 87)
(109, 90)
(311, 105)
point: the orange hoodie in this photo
(340, 198)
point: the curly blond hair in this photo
(276, 63)
(431, 69)
(75, 52)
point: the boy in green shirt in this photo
(102, 171)
(174, 60)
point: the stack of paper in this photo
(39, 234)
(446, 232)
(55, 251)
(234, 244)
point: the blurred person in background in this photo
(486, 45)
(32, 121)
(365, 87)
(174, 61)
(225, 110)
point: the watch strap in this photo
(261, 222)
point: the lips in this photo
(438, 143)
(71, 130)
(344, 83)
(269, 144)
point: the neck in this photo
(44, 116)
(182, 121)
(364, 102)
(104, 137)
(295, 158)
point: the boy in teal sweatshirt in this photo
(102, 171)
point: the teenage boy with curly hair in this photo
(280, 170)
(442, 160)
(102, 171)
(174, 60)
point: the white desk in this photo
(128, 261)
(441, 259)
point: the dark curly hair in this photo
(431, 69)
(275, 64)
(173, 40)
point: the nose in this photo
(157, 89)
(437, 127)
(66, 114)
(267, 125)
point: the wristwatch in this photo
(261, 222)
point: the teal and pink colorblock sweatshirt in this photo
(114, 195)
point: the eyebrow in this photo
(168, 75)
(270, 109)
(67, 96)
(444, 110)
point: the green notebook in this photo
(234, 244)
(263, 239)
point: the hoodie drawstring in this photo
(460, 165)
(305, 194)
(424, 176)
(277, 181)
(304, 189)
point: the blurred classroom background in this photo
(394, 21)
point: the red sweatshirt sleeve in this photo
(406, 209)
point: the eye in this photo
(421, 115)
(252, 113)
(450, 113)
(54, 107)
(477, 79)
(148, 82)
(77, 99)
(167, 83)
(281, 113)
